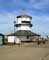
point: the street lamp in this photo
(14, 31)
(14, 26)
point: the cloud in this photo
(6, 22)
(27, 3)
(38, 9)
(40, 3)
(40, 24)
(37, 6)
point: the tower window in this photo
(26, 22)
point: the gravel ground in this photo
(23, 53)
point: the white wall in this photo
(24, 38)
(19, 28)
(18, 39)
(24, 27)
(19, 20)
(28, 19)
(11, 39)
(25, 19)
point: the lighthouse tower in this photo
(23, 33)
(24, 22)
(24, 27)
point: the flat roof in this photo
(24, 16)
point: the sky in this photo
(38, 9)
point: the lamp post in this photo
(14, 31)
(14, 26)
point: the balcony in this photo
(23, 24)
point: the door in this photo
(1, 40)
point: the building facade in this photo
(23, 33)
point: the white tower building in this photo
(23, 27)
(23, 32)
(24, 22)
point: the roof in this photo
(1, 34)
(23, 33)
(24, 15)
